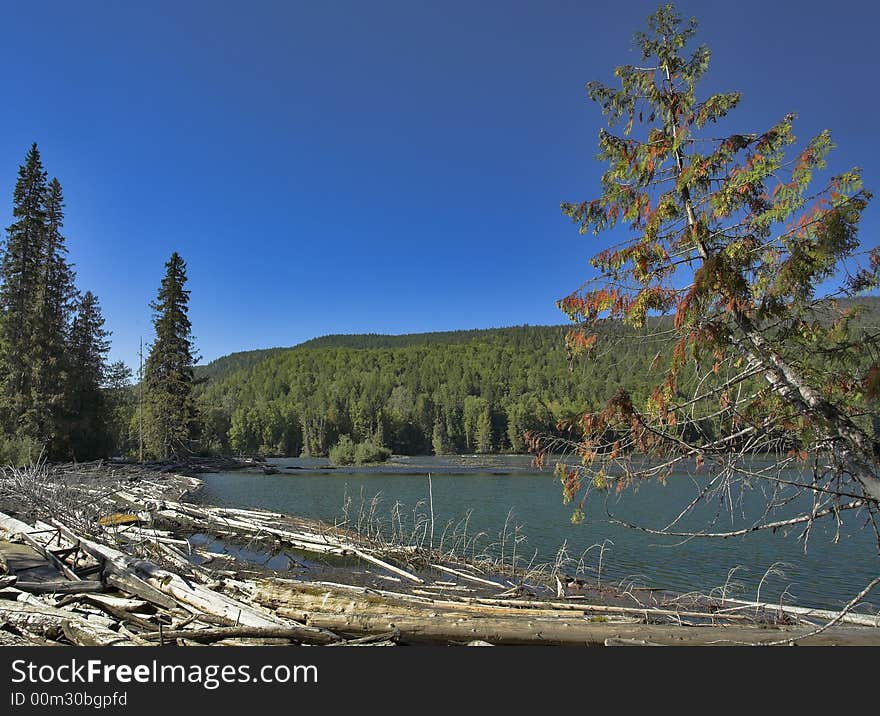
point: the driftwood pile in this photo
(106, 556)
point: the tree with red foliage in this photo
(743, 271)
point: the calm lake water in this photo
(489, 488)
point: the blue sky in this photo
(334, 167)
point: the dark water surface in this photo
(490, 487)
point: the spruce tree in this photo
(50, 324)
(169, 410)
(121, 405)
(19, 282)
(440, 438)
(87, 417)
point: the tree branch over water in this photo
(743, 263)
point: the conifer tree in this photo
(87, 433)
(749, 255)
(169, 410)
(121, 404)
(440, 438)
(19, 281)
(50, 325)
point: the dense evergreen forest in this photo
(455, 392)
(58, 396)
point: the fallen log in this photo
(289, 593)
(42, 620)
(137, 534)
(179, 559)
(570, 632)
(52, 623)
(13, 526)
(83, 633)
(60, 587)
(348, 611)
(466, 576)
(390, 567)
(318, 543)
(193, 595)
(806, 612)
(388, 638)
(121, 603)
(131, 584)
(302, 634)
(122, 610)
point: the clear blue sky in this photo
(330, 167)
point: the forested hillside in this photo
(459, 391)
(463, 391)
(377, 340)
(233, 362)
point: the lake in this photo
(482, 491)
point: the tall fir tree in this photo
(121, 405)
(169, 410)
(50, 326)
(86, 433)
(19, 282)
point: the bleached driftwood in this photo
(464, 575)
(52, 623)
(308, 542)
(60, 587)
(806, 612)
(304, 634)
(193, 595)
(351, 612)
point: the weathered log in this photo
(646, 612)
(319, 543)
(387, 638)
(804, 612)
(572, 632)
(131, 584)
(192, 595)
(204, 521)
(303, 634)
(178, 558)
(615, 641)
(350, 612)
(254, 514)
(42, 620)
(280, 593)
(82, 633)
(119, 608)
(466, 576)
(137, 534)
(52, 623)
(122, 603)
(60, 587)
(390, 567)
(13, 526)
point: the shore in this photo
(116, 554)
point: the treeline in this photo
(466, 391)
(59, 398)
(456, 392)
(453, 392)
(57, 393)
